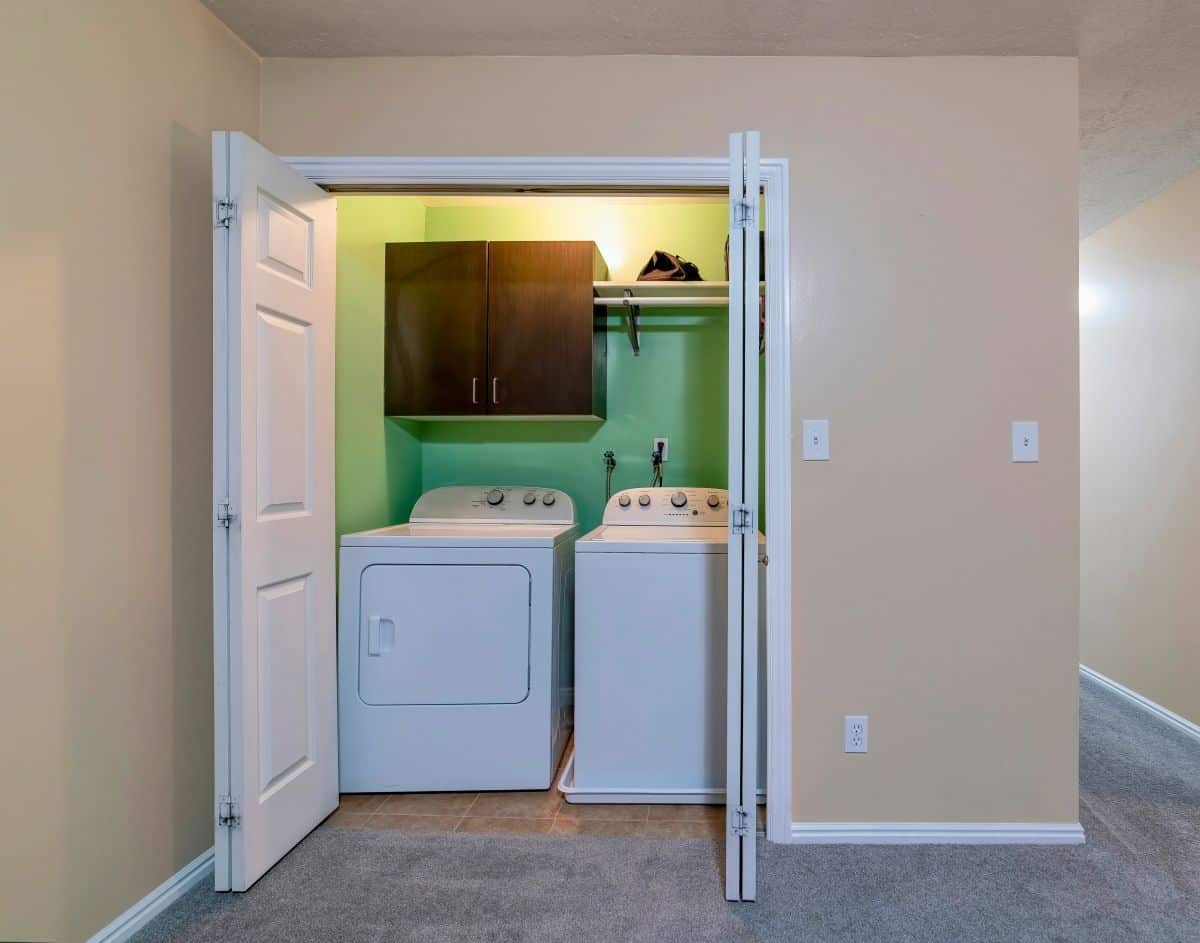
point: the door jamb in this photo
(378, 173)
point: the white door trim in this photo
(382, 172)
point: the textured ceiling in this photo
(1139, 59)
(1139, 103)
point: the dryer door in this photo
(444, 634)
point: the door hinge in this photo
(226, 213)
(225, 514)
(228, 813)
(743, 214)
(740, 824)
(741, 519)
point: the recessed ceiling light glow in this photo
(1089, 300)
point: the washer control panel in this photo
(513, 504)
(707, 506)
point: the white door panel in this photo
(287, 735)
(275, 634)
(742, 700)
(284, 414)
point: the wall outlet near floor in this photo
(856, 733)
(664, 442)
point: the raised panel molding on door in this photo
(287, 635)
(274, 623)
(284, 413)
(285, 240)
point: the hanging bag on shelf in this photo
(667, 267)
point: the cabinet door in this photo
(546, 354)
(436, 329)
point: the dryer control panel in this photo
(494, 504)
(667, 506)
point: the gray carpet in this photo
(1136, 879)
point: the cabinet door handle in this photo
(474, 391)
(496, 390)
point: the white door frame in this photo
(663, 172)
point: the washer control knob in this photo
(644, 500)
(530, 497)
(495, 496)
(714, 501)
(548, 499)
(678, 499)
(624, 501)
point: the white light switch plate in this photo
(1025, 441)
(816, 440)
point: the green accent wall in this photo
(378, 460)
(676, 387)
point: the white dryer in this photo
(454, 643)
(651, 649)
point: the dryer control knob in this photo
(713, 501)
(624, 501)
(678, 499)
(548, 499)
(530, 497)
(495, 496)
(644, 500)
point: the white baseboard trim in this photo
(937, 833)
(1162, 713)
(156, 901)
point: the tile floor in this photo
(524, 813)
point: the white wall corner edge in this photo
(937, 833)
(158, 900)
(1162, 713)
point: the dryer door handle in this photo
(381, 635)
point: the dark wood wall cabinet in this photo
(494, 329)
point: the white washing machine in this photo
(651, 617)
(454, 643)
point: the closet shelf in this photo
(633, 296)
(666, 294)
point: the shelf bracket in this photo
(634, 312)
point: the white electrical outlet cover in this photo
(816, 440)
(666, 445)
(1025, 441)
(856, 733)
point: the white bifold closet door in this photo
(742, 683)
(273, 551)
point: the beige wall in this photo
(1140, 432)
(934, 248)
(933, 283)
(105, 573)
